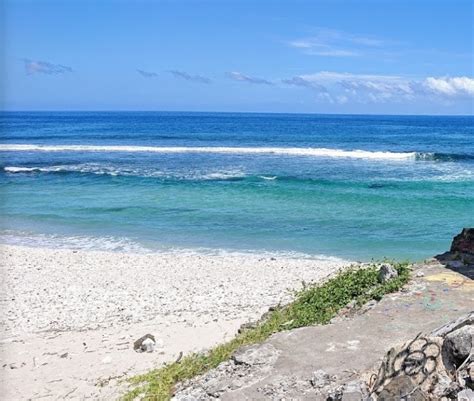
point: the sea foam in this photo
(128, 172)
(312, 152)
(13, 169)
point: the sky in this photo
(361, 57)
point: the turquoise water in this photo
(357, 187)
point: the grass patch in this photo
(312, 305)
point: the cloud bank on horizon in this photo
(343, 87)
(330, 86)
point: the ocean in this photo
(349, 186)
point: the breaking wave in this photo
(312, 152)
(231, 175)
(444, 172)
(445, 157)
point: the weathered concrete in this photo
(345, 348)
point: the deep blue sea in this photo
(357, 187)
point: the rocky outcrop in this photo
(457, 346)
(464, 242)
(347, 360)
(438, 366)
(434, 367)
(247, 366)
(387, 272)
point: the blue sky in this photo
(394, 57)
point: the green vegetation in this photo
(312, 305)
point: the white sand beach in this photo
(70, 317)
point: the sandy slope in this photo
(69, 318)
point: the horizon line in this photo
(233, 112)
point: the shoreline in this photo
(126, 245)
(71, 316)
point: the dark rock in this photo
(144, 343)
(436, 367)
(412, 368)
(335, 394)
(457, 346)
(464, 242)
(455, 264)
(399, 388)
(445, 387)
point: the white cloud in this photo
(381, 87)
(344, 87)
(238, 76)
(334, 77)
(189, 77)
(304, 82)
(301, 44)
(334, 43)
(44, 67)
(455, 86)
(147, 74)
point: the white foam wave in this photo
(53, 241)
(13, 169)
(64, 168)
(127, 245)
(445, 172)
(118, 171)
(219, 176)
(450, 172)
(313, 152)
